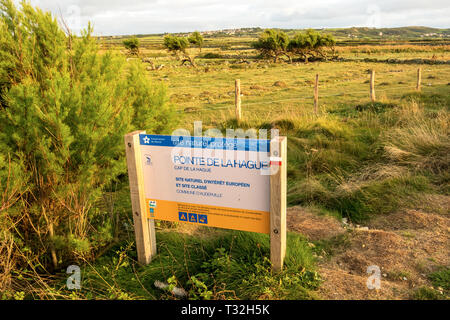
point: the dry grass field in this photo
(272, 91)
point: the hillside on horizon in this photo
(395, 33)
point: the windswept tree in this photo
(196, 39)
(272, 44)
(311, 44)
(178, 47)
(132, 45)
(327, 46)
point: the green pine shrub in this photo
(12, 185)
(65, 108)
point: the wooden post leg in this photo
(316, 95)
(419, 79)
(372, 86)
(237, 99)
(144, 228)
(278, 152)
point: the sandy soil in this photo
(406, 246)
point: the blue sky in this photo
(114, 17)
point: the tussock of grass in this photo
(378, 197)
(325, 127)
(376, 107)
(422, 144)
(211, 55)
(307, 191)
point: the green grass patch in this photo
(224, 265)
(441, 279)
(425, 293)
(375, 107)
(211, 55)
(333, 245)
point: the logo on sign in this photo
(203, 218)
(152, 206)
(182, 216)
(148, 160)
(192, 217)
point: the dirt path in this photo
(406, 246)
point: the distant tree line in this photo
(307, 45)
(272, 44)
(175, 44)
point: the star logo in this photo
(146, 140)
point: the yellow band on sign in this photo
(211, 216)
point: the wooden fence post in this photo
(372, 85)
(144, 228)
(278, 152)
(237, 99)
(419, 78)
(316, 95)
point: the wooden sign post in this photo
(278, 152)
(144, 228)
(229, 183)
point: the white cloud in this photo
(157, 16)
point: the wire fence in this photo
(295, 85)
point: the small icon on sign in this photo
(182, 216)
(146, 140)
(192, 217)
(203, 218)
(152, 204)
(148, 160)
(152, 210)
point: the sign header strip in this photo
(238, 144)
